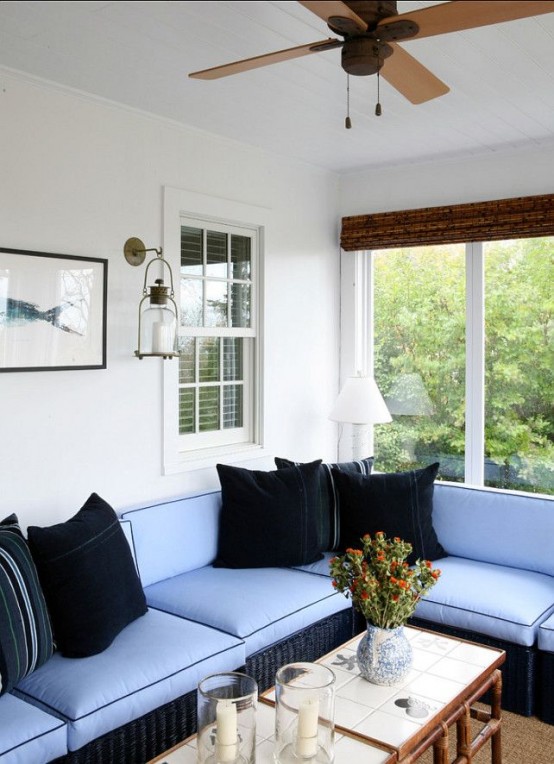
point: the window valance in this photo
(517, 218)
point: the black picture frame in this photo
(52, 311)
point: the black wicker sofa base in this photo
(156, 732)
(545, 704)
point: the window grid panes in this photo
(216, 362)
(216, 279)
(216, 285)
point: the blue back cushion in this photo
(186, 530)
(495, 526)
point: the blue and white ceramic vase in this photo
(384, 655)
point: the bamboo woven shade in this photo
(518, 218)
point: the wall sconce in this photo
(157, 313)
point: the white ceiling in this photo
(140, 53)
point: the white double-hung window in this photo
(217, 335)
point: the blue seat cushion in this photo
(319, 567)
(259, 606)
(505, 603)
(29, 734)
(546, 635)
(154, 660)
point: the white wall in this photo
(490, 176)
(79, 176)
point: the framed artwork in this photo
(52, 311)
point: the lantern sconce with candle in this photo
(157, 313)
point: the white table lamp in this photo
(360, 404)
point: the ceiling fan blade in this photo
(325, 10)
(457, 15)
(267, 58)
(409, 77)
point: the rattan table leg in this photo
(440, 747)
(463, 735)
(496, 714)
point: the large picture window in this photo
(464, 334)
(451, 309)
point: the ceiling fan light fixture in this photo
(362, 56)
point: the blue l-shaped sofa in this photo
(138, 697)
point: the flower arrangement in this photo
(382, 586)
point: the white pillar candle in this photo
(306, 735)
(161, 337)
(226, 731)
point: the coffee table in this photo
(391, 725)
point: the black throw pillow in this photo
(399, 504)
(89, 578)
(329, 504)
(268, 519)
(25, 632)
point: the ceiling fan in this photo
(372, 29)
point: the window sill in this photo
(206, 458)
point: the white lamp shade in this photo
(360, 402)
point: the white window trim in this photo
(474, 468)
(176, 204)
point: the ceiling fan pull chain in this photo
(378, 110)
(347, 121)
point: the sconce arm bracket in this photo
(135, 251)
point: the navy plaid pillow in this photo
(397, 503)
(89, 578)
(25, 632)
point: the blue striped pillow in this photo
(25, 632)
(329, 505)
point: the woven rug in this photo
(525, 740)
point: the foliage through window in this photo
(217, 334)
(422, 317)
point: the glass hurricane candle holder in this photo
(304, 714)
(226, 705)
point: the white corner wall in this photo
(79, 176)
(485, 177)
